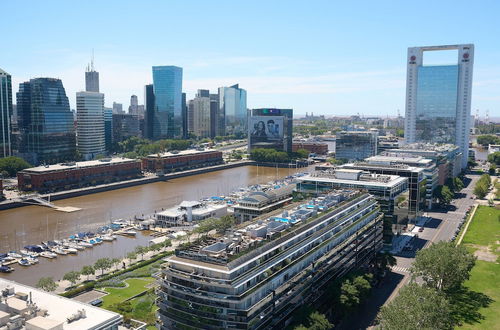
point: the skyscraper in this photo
(134, 104)
(214, 115)
(91, 78)
(118, 108)
(200, 112)
(5, 114)
(45, 122)
(167, 88)
(438, 98)
(232, 111)
(90, 124)
(108, 129)
(149, 117)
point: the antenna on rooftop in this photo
(92, 60)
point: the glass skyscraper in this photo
(90, 124)
(167, 89)
(108, 129)
(45, 122)
(232, 111)
(5, 114)
(438, 98)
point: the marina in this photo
(33, 225)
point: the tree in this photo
(313, 320)
(131, 255)
(72, 276)
(492, 170)
(141, 250)
(494, 158)
(416, 307)
(443, 266)
(115, 262)
(353, 292)
(103, 264)
(384, 260)
(88, 270)
(444, 194)
(302, 153)
(487, 139)
(11, 165)
(46, 284)
(482, 186)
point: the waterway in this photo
(33, 224)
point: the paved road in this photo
(441, 226)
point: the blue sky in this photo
(326, 57)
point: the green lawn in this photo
(484, 230)
(144, 308)
(116, 295)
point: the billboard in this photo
(266, 132)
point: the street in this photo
(442, 225)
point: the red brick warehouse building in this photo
(180, 161)
(313, 147)
(50, 178)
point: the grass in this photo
(117, 295)
(144, 308)
(484, 230)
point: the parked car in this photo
(421, 229)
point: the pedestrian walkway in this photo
(398, 269)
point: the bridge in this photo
(35, 199)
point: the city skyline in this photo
(313, 58)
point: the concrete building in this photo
(90, 130)
(256, 203)
(438, 98)
(181, 160)
(188, 212)
(232, 111)
(6, 113)
(108, 129)
(355, 145)
(391, 192)
(125, 126)
(199, 111)
(270, 128)
(133, 108)
(46, 125)
(26, 307)
(448, 157)
(252, 277)
(91, 78)
(118, 108)
(150, 130)
(74, 175)
(167, 89)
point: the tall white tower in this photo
(90, 124)
(438, 98)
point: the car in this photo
(97, 302)
(421, 229)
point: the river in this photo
(33, 224)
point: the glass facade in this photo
(437, 88)
(5, 113)
(167, 88)
(45, 122)
(232, 110)
(108, 129)
(355, 145)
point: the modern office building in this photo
(417, 188)
(184, 116)
(26, 307)
(125, 126)
(385, 143)
(167, 89)
(134, 105)
(45, 122)
(438, 98)
(118, 108)
(91, 78)
(188, 213)
(448, 157)
(391, 192)
(270, 128)
(149, 115)
(232, 111)
(6, 111)
(108, 129)
(90, 130)
(356, 145)
(214, 115)
(199, 111)
(253, 277)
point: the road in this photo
(442, 226)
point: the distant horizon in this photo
(322, 57)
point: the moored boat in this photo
(48, 254)
(24, 262)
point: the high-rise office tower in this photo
(90, 124)
(184, 116)
(214, 115)
(167, 88)
(232, 111)
(91, 78)
(118, 108)
(199, 114)
(438, 98)
(149, 116)
(45, 122)
(5, 114)
(108, 129)
(134, 104)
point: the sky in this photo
(326, 57)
